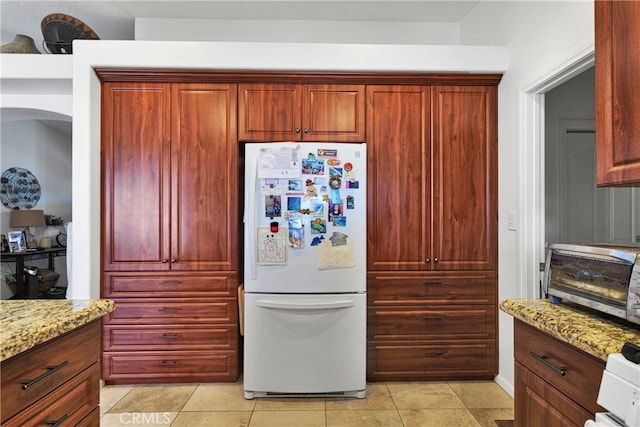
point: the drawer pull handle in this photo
(50, 370)
(168, 363)
(434, 353)
(170, 336)
(432, 283)
(432, 317)
(543, 359)
(171, 282)
(170, 309)
(58, 421)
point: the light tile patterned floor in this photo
(410, 404)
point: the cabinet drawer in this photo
(164, 285)
(170, 366)
(432, 360)
(149, 337)
(173, 311)
(47, 366)
(69, 404)
(454, 288)
(545, 356)
(420, 323)
(538, 405)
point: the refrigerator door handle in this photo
(305, 305)
(251, 205)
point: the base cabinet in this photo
(555, 383)
(56, 383)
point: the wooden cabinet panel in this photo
(409, 288)
(204, 177)
(119, 285)
(173, 311)
(544, 356)
(464, 191)
(68, 405)
(296, 112)
(538, 405)
(60, 359)
(399, 171)
(135, 175)
(432, 323)
(431, 360)
(617, 46)
(56, 378)
(171, 366)
(178, 337)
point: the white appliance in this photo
(305, 269)
(619, 394)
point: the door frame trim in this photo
(530, 159)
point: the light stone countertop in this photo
(594, 333)
(26, 323)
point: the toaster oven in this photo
(602, 277)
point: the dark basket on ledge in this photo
(46, 280)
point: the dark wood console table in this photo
(20, 257)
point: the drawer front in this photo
(69, 404)
(118, 285)
(46, 367)
(538, 405)
(444, 360)
(392, 288)
(545, 356)
(148, 337)
(170, 366)
(173, 311)
(418, 323)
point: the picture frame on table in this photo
(17, 241)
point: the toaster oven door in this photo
(590, 274)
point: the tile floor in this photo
(437, 404)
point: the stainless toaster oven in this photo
(602, 277)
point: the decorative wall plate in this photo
(60, 30)
(19, 189)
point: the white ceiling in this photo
(114, 20)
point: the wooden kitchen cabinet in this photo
(170, 231)
(63, 381)
(617, 111)
(555, 383)
(301, 112)
(169, 177)
(432, 231)
(433, 163)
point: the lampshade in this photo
(27, 218)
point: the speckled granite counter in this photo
(595, 334)
(27, 323)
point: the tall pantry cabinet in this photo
(432, 236)
(170, 221)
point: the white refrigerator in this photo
(305, 269)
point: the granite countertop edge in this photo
(24, 324)
(585, 329)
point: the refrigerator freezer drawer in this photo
(305, 345)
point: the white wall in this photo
(540, 37)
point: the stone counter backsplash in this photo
(25, 324)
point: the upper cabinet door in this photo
(269, 112)
(204, 177)
(136, 131)
(464, 170)
(333, 113)
(398, 165)
(617, 46)
(295, 112)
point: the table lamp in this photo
(27, 218)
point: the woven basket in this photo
(46, 280)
